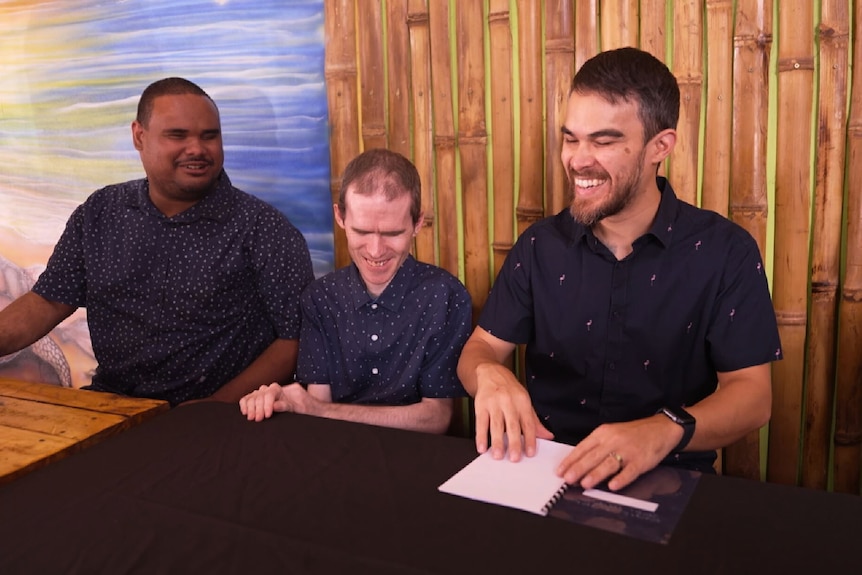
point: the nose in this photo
(375, 245)
(577, 156)
(194, 147)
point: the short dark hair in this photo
(164, 87)
(631, 74)
(386, 170)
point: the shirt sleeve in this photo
(508, 313)
(312, 363)
(438, 377)
(283, 269)
(64, 279)
(743, 330)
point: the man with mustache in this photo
(648, 322)
(191, 285)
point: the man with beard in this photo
(648, 324)
(191, 285)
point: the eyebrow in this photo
(382, 233)
(606, 133)
(182, 131)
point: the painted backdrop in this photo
(72, 72)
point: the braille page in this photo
(530, 484)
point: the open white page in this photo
(530, 484)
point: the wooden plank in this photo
(41, 423)
(137, 409)
(25, 450)
(56, 420)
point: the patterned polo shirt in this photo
(393, 350)
(178, 306)
(610, 340)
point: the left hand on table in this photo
(620, 452)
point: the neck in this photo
(619, 232)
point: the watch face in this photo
(679, 415)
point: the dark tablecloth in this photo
(202, 490)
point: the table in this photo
(41, 423)
(202, 490)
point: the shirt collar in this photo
(668, 209)
(661, 228)
(393, 295)
(216, 205)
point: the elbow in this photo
(763, 414)
(440, 418)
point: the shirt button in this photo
(374, 306)
(375, 371)
(612, 366)
(374, 337)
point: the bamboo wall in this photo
(770, 135)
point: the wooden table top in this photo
(41, 423)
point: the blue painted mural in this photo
(72, 74)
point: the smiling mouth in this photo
(586, 184)
(376, 263)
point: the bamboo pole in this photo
(398, 79)
(752, 46)
(371, 80)
(654, 33)
(654, 27)
(472, 140)
(502, 130)
(688, 69)
(423, 132)
(444, 138)
(848, 396)
(619, 23)
(748, 198)
(530, 89)
(341, 90)
(792, 189)
(834, 33)
(559, 70)
(719, 100)
(586, 31)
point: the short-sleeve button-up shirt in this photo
(393, 350)
(611, 340)
(178, 306)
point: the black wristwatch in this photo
(684, 419)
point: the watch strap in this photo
(685, 420)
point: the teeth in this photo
(588, 183)
(375, 264)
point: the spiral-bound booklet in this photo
(530, 484)
(647, 509)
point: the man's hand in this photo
(504, 409)
(268, 399)
(620, 451)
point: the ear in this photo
(419, 223)
(137, 135)
(662, 145)
(337, 214)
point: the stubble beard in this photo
(586, 213)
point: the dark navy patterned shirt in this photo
(178, 306)
(393, 350)
(612, 340)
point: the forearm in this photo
(27, 319)
(475, 354)
(428, 415)
(276, 364)
(740, 405)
